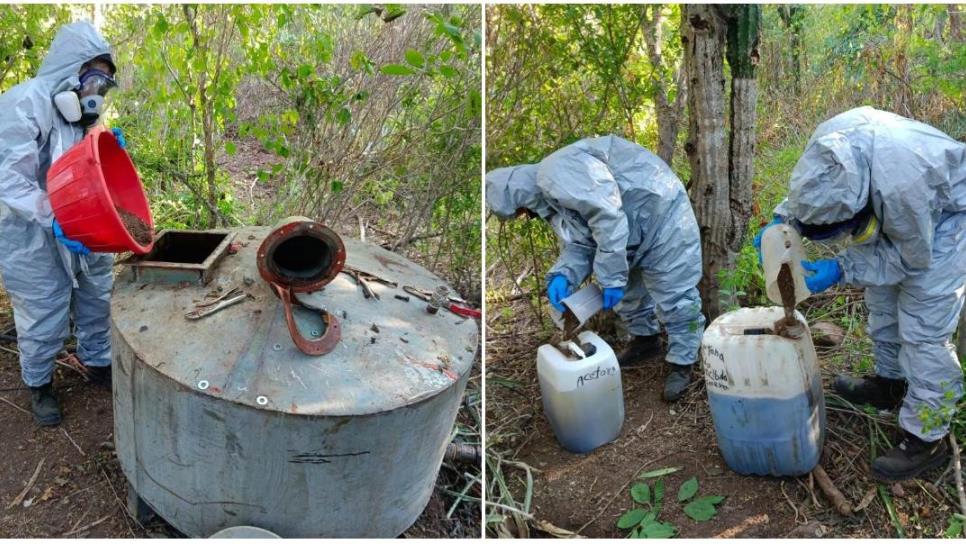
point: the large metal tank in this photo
(222, 421)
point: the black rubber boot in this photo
(883, 393)
(910, 458)
(639, 350)
(99, 376)
(677, 381)
(45, 407)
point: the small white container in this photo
(582, 393)
(780, 245)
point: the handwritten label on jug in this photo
(598, 373)
(715, 378)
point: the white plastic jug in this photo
(765, 393)
(780, 245)
(582, 394)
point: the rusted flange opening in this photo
(302, 256)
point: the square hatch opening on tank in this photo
(182, 255)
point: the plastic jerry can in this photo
(765, 393)
(582, 394)
(782, 245)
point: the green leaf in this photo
(688, 489)
(955, 528)
(631, 518)
(641, 493)
(396, 70)
(659, 472)
(230, 148)
(658, 530)
(344, 116)
(415, 58)
(702, 509)
(448, 71)
(304, 71)
(337, 186)
(363, 10)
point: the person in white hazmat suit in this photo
(621, 213)
(48, 277)
(893, 191)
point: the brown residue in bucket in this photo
(139, 230)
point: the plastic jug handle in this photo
(574, 348)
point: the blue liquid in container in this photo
(769, 436)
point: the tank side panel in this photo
(123, 372)
(205, 464)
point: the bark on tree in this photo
(665, 79)
(703, 38)
(744, 30)
(955, 22)
(721, 175)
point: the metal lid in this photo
(393, 353)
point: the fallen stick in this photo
(834, 495)
(72, 442)
(33, 479)
(88, 526)
(748, 523)
(958, 473)
(14, 405)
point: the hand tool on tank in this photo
(440, 298)
(230, 298)
(363, 279)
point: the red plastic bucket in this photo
(86, 183)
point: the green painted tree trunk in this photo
(721, 174)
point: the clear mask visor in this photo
(95, 83)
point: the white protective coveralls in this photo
(43, 280)
(621, 213)
(914, 270)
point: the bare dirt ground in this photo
(586, 494)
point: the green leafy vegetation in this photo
(244, 114)
(643, 521)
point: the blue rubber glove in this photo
(612, 295)
(558, 288)
(776, 220)
(71, 245)
(824, 273)
(120, 137)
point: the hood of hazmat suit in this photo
(37, 271)
(908, 172)
(511, 188)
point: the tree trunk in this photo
(793, 18)
(955, 22)
(721, 176)
(703, 38)
(668, 112)
(744, 29)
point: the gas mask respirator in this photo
(83, 101)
